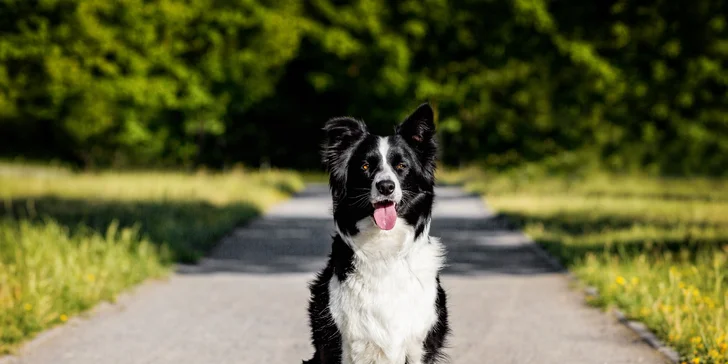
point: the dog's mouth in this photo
(385, 214)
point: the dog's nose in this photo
(385, 187)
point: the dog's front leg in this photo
(414, 352)
(366, 352)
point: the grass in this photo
(315, 176)
(656, 248)
(70, 240)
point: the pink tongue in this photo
(385, 216)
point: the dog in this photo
(379, 298)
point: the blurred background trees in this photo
(617, 85)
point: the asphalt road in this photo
(247, 302)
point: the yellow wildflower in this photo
(696, 361)
(723, 347)
(620, 280)
(27, 307)
(63, 318)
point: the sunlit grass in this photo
(656, 248)
(187, 212)
(259, 188)
(69, 240)
(48, 274)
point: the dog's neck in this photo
(371, 241)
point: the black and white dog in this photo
(379, 299)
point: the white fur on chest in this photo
(386, 306)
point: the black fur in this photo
(437, 335)
(347, 146)
(326, 337)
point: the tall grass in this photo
(48, 274)
(69, 240)
(655, 247)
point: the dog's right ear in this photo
(341, 134)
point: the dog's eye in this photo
(401, 166)
(365, 166)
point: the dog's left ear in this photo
(418, 130)
(419, 127)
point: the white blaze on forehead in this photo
(386, 172)
(383, 151)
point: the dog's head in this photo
(385, 178)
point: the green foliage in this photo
(133, 81)
(633, 86)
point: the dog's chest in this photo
(389, 302)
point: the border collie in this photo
(379, 299)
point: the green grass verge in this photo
(70, 240)
(656, 248)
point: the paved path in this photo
(247, 304)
